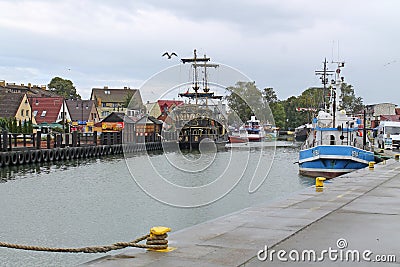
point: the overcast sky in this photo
(277, 43)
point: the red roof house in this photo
(49, 109)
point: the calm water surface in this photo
(97, 201)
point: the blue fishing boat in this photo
(335, 145)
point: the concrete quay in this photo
(358, 212)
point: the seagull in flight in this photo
(394, 61)
(169, 55)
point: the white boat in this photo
(334, 145)
(253, 131)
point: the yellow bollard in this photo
(159, 230)
(319, 182)
(158, 236)
(371, 165)
(396, 157)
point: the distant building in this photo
(148, 129)
(375, 111)
(15, 105)
(108, 100)
(117, 128)
(83, 114)
(29, 89)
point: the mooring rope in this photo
(155, 242)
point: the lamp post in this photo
(77, 107)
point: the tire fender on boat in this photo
(33, 156)
(27, 157)
(6, 159)
(14, 158)
(56, 154)
(67, 153)
(38, 155)
(21, 158)
(50, 155)
(45, 155)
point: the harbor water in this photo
(94, 202)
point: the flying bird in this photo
(394, 61)
(169, 55)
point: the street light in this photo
(77, 107)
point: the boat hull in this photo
(332, 160)
(238, 139)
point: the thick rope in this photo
(153, 242)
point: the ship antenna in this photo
(324, 79)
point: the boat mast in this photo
(337, 91)
(205, 88)
(195, 65)
(324, 78)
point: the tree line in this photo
(245, 99)
(13, 125)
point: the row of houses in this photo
(107, 110)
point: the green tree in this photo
(63, 87)
(3, 124)
(19, 128)
(25, 127)
(14, 125)
(278, 110)
(270, 95)
(350, 102)
(293, 117)
(128, 99)
(246, 100)
(30, 126)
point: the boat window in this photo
(332, 140)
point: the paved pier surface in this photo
(362, 207)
